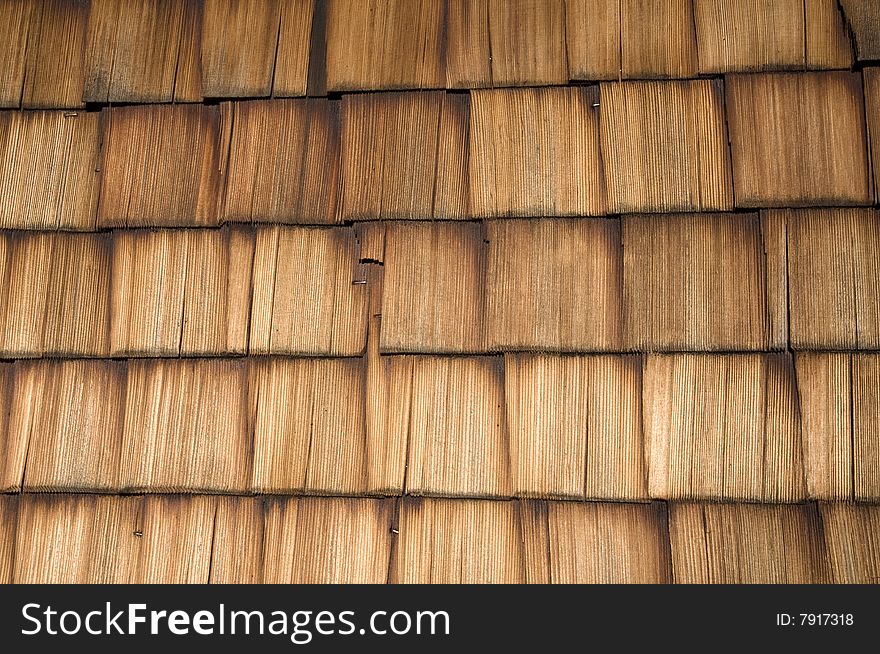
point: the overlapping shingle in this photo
(827, 41)
(48, 169)
(664, 146)
(798, 139)
(535, 152)
(15, 22)
(702, 282)
(648, 52)
(852, 538)
(160, 166)
(723, 427)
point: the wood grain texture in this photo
(701, 282)
(8, 522)
(664, 146)
(170, 442)
(535, 152)
(828, 44)
(13, 444)
(575, 426)
(70, 415)
(305, 296)
(527, 42)
(139, 52)
(239, 42)
(309, 426)
(609, 543)
(385, 44)
(291, 64)
(798, 139)
(457, 437)
(48, 170)
(834, 278)
(541, 275)
(866, 427)
(863, 22)
(283, 164)
(55, 73)
(747, 544)
(458, 541)
(647, 52)
(871, 76)
(16, 17)
(852, 539)
(468, 45)
(742, 35)
(56, 301)
(593, 37)
(160, 166)
(723, 427)
(433, 299)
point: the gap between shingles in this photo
(213, 543)
(394, 545)
(277, 46)
(852, 425)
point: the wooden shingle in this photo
(664, 146)
(385, 44)
(8, 520)
(291, 63)
(592, 30)
(56, 299)
(863, 22)
(140, 51)
(457, 437)
(15, 22)
(866, 426)
(55, 73)
(70, 415)
(701, 282)
(237, 550)
(575, 426)
(185, 427)
(48, 164)
(648, 52)
(743, 35)
(327, 541)
(535, 152)
(872, 107)
(554, 285)
(160, 166)
(798, 139)
(458, 541)
(283, 161)
(746, 544)
(828, 44)
(594, 543)
(852, 539)
(833, 290)
(12, 443)
(468, 56)
(308, 295)
(308, 425)
(723, 427)
(393, 163)
(181, 292)
(432, 298)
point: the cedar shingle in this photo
(743, 35)
(186, 427)
(664, 146)
(592, 31)
(458, 541)
(392, 161)
(291, 71)
(305, 299)
(834, 288)
(432, 297)
(609, 543)
(385, 44)
(455, 424)
(328, 541)
(828, 44)
(56, 297)
(798, 139)
(11, 443)
(16, 17)
(723, 427)
(535, 152)
(160, 166)
(575, 426)
(701, 282)
(8, 520)
(746, 544)
(176, 542)
(48, 164)
(181, 292)
(852, 539)
(649, 52)
(239, 538)
(308, 425)
(863, 21)
(239, 44)
(139, 51)
(452, 183)
(543, 274)
(527, 42)
(69, 413)
(468, 55)
(283, 161)
(872, 107)
(54, 74)
(866, 426)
